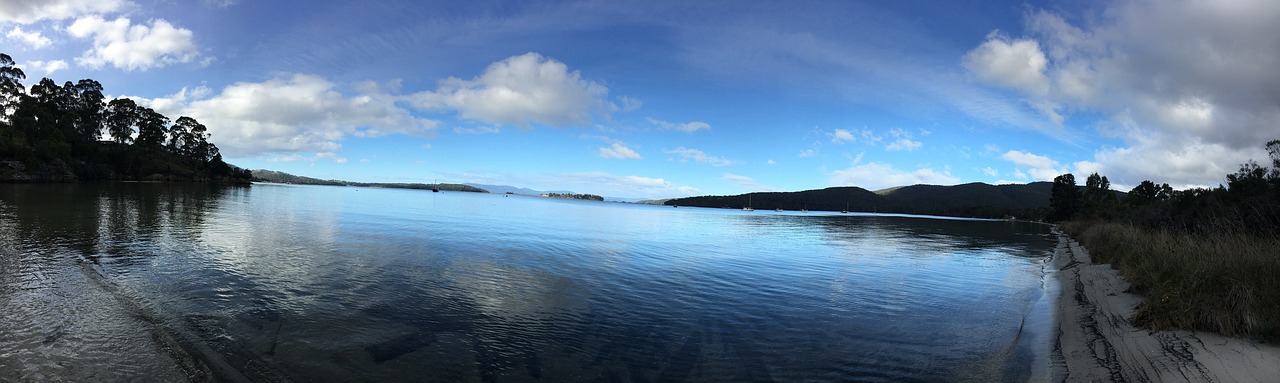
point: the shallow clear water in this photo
(277, 283)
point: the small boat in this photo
(846, 208)
(435, 190)
(748, 208)
(778, 209)
(805, 209)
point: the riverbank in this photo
(1096, 340)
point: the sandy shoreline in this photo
(1095, 342)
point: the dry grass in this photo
(1227, 282)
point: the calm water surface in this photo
(124, 282)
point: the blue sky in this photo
(669, 99)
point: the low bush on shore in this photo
(1224, 280)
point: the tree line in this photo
(591, 197)
(1249, 202)
(63, 126)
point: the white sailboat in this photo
(748, 208)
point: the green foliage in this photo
(55, 129)
(591, 197)
(1147, 193)
(1224, 281)
(975, 200)
(1064, 200)
(1204, 259)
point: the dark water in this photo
(157, 282)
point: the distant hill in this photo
(263, 175)
(976, 200)
(653, 201)
(503, 189)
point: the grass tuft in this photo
(1226, 281)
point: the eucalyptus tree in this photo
(11, 89)
(1064, 198)
(1148, 192)
(121, 117)
(188, 138)
(152, 128)
(90, 109)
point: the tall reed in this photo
(1225, 281)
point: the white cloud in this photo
(1018, 64)
(747, 183)
(875, 176)
(902, 141)
(30, 11)
(737, 178)
(620, 151)
(903, 144)
(33, 39)
(477, 130)
(990, 171)
(290, 114)
(606, 184)
(47, 66)
(687, 127)
(1040, 167)
(519, 91)
(123, 45)
(771, 162)
(312, 158)
(806, 153)
(1028, 160)
(629, 103)
(841, 136)
(1196, 163)
(1189, 86)
(701, 157)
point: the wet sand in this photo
(1095, 341)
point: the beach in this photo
(1095, 341)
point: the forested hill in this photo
(978, 200)
(262, 175)
(56, 133)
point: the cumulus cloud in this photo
(1178, 78)
(687, 127)
(841, 136)
(122, 44)
(620, 151)
(30, 11)
(33, 39)
(1018, 64)
(520, 90)
(290, 114)
(875, 176)
(1040, 167)
(701, 157)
